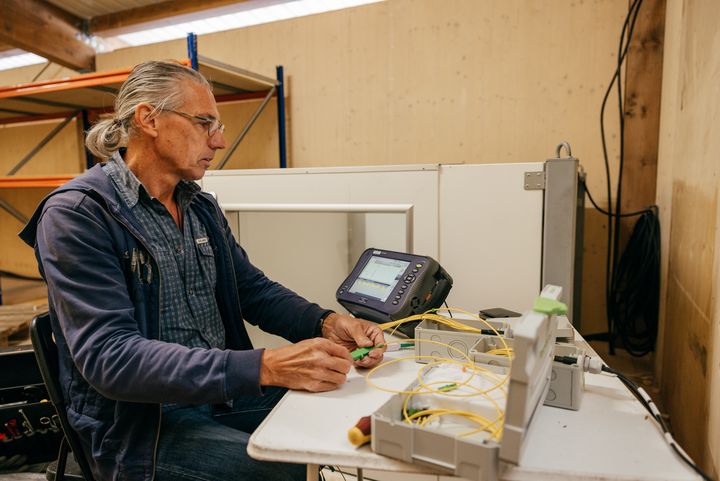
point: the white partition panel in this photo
(305, 228)
(491, 235)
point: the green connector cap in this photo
(447, 387)
(549, 306)
(361, 352)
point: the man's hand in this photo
(311, 365)
(352, 333)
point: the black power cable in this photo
(622, 52)
(616, 78)
(631, 281)
(648, 404)
(644, 398)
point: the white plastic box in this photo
(567, 381)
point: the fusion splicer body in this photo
(386, 286)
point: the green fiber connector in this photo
(549, 306)
(447, 387)
(412, 412)
(361, 352)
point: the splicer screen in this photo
(379, 277)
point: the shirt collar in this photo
(131, 189)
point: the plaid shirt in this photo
(189, 314)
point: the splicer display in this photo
(379, 277)
(386, 286)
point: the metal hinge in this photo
(535, 180)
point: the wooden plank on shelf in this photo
(95, 90)
(230, 79)
(15, 321)
(72, 83)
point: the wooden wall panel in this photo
(406, 81)
(642, 112)
(593, 307)
(59, 156)
(16, 256)
(259, 148)
(689, 312)
(688, 196)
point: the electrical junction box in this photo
(459, 449)
(567, 382)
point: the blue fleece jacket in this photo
(104, 310)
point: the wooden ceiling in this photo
(55, 29)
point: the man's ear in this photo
(146, 119)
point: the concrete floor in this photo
(22, 476)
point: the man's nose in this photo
(217, 140)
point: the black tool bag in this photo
(30, 430)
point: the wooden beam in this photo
(157, 11)
(643, 82)
(43, 29)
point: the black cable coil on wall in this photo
(635, 288)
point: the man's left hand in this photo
(352, 333)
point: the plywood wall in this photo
(689, 169)
(411, 81)
(407, 81)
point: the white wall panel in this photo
(491, 235)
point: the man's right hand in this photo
(311, 365)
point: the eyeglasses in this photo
(212, 125)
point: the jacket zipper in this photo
(232, 270)
(159, 328)
(139, 239)
(237, 301)
(157, 434)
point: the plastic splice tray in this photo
(478, 456)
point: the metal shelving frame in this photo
(87, 96)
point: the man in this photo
(147, 293)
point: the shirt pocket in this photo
(206, 259)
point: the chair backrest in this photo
(46, 354)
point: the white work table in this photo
(611, 437)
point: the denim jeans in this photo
(201, 443)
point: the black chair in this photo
(46, 354)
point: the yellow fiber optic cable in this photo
(494, 427)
